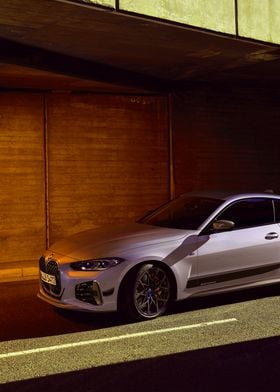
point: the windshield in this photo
(185, 212)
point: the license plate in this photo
(48, 278)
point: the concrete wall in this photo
(226, 138)
(108, 159)
(70, 162)
(259, 19)
(108, 156)
(254, 19)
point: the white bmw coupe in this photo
(197, 244)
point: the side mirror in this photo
(220, 225)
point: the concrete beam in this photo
(217, 15)
(104, 3)
(25, 55)
(254, 19)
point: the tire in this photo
(146, 293)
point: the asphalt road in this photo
(221, 343)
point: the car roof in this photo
(232, 195)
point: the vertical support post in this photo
(171, 160)
(236, 17)
(46, 158)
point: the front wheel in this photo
(147, 292)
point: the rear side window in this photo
(277, 210)
(250, 212)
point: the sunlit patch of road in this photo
(113, 338)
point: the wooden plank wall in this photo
(22, 196)
(108, 159)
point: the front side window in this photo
(249, 213)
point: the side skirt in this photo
(230, 276)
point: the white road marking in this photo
(114, 338)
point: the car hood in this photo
(115, 241)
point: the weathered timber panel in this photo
(108, 159)
(22, 196)
(227, 139)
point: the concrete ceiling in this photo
(105, 50)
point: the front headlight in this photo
(96, 264)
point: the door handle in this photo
(271, 236)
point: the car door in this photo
(247, 253)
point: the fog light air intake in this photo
(89, 292)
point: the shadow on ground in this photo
(248, 366)
(225, 299)
(23, 315)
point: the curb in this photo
(18, 272)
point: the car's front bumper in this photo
(73, 303)
(76, 290)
